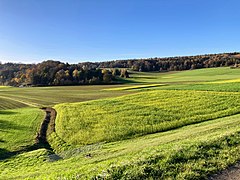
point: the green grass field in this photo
(18, 128)
(143, 113)
(49, 96)
(174, 125)
(186, 153)
(199, 75)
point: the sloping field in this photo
(191, 152)
(182, 127)
(139, 114)
(49, 96)
(198, 75)
(7, 103)
(18, 128)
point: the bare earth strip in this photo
(231, 173)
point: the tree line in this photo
(49, 73)
(58, 73)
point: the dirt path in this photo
(47, 126)
(231, 173)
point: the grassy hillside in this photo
(8, 103)
(199, 75)
(190, 152)
(18, 128)
(49, 96)
(133, 115)
(178, 125)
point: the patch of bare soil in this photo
(231, 173)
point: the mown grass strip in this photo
(134, 87)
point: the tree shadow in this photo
(5, 154)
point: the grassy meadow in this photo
(173, 125)
(49, 96)
(199, 75)
(18, 128)
(142, 113)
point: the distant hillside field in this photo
(198, 75)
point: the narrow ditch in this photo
(47, 126)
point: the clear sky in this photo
(97, 30)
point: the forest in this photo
(58, 73)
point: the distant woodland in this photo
(57, 73)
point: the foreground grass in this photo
(191, 152)
(18, 128)
(139, 114)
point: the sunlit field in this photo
(134, 115)
(172, 125)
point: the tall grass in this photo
(139, 114)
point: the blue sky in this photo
(98, 30)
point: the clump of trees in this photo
(58, 73)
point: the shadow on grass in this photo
(125, 81)
(5, 154)
(7, 126)
(4, 112)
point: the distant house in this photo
(25, 85)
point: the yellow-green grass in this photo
(133, 87)
(198, 75)
(139, 114)
(191, 152)
(220, 87)
(224, 81)
(18, 128)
